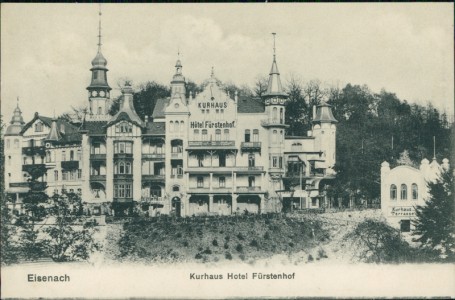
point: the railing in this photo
(123, 176)
(177, 155)
(19, 184)
(276, 170)
(152, 177)
(70, 165)
(28, 168)
(250, 145)
(152, 199)
(248, 189)
(255, 168)
(177, 176)
(34, 150)
(98, 177)
(98, 156)
(153, 155)
(210, 169)
(272, 122)
(210, 143)
(123, 155)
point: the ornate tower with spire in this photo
(275, 100)
(13, 147)
(178, 85)
(98, 90)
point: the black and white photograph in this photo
(231, 150)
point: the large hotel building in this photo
(209, 153)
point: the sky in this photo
(46, 49)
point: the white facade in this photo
(405, 187)
(211, 153)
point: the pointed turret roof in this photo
(54, 134)
(274, 87)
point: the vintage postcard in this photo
(206, 151)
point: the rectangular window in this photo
(55, 175)
(79, 174)
(274, 162)
(222, 182)
(200, 182)
(314, 201)
(63, 156)
(64, 175)
(280, 162)
(72, 175)
(405, 225)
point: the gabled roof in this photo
(94, 127)
(127, 112)
(158, 111)
(69, 136)
(247, 105)
(155, 128)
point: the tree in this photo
(34, 203)
(66, 242)
(375, 241)
(435, 222)
(260, 86)
(297, 110)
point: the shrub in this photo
(215, 243)
(198, 256)
(207, 251)
(267, 236)
(322, 253)
(239, 248)
(291, 244)
(228, 255)
(254, 243)
(226, 246)
(185, 243)
(310, 257)
(240, 236)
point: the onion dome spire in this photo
(17, 121)
(99, 70)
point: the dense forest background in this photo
(372, 127)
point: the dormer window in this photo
(124, 127)
(38, 127)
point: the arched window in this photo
(281, 116)
(176, 126)
(204, 134)
(275, 114)
(121, 168)
(79, 154)
(182, 126)
(71, 155)
(255, 135)
(415, 192)
(176, 188)
(38, 127)
(281, 136)
(218, 135)
(275, 136)
(393, 192)
(196, 134)
(251, 160)
(48, 156)
(404, 192)
(128, 168)
(247, 135)
(226, 134)
(171, 126)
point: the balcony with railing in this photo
(123, 176)
(153, 156)
(152, 199)
(70, 165)
(210, 169)
(250, 170)
(176, 155)
(250, 146)
(249, 189)
(123, 155)
(273, 123)
(153, 177)
(29, 167)
(35, 150)
(94, 177)
(98, 156)
(211, 144)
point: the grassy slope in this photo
(245, 238)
